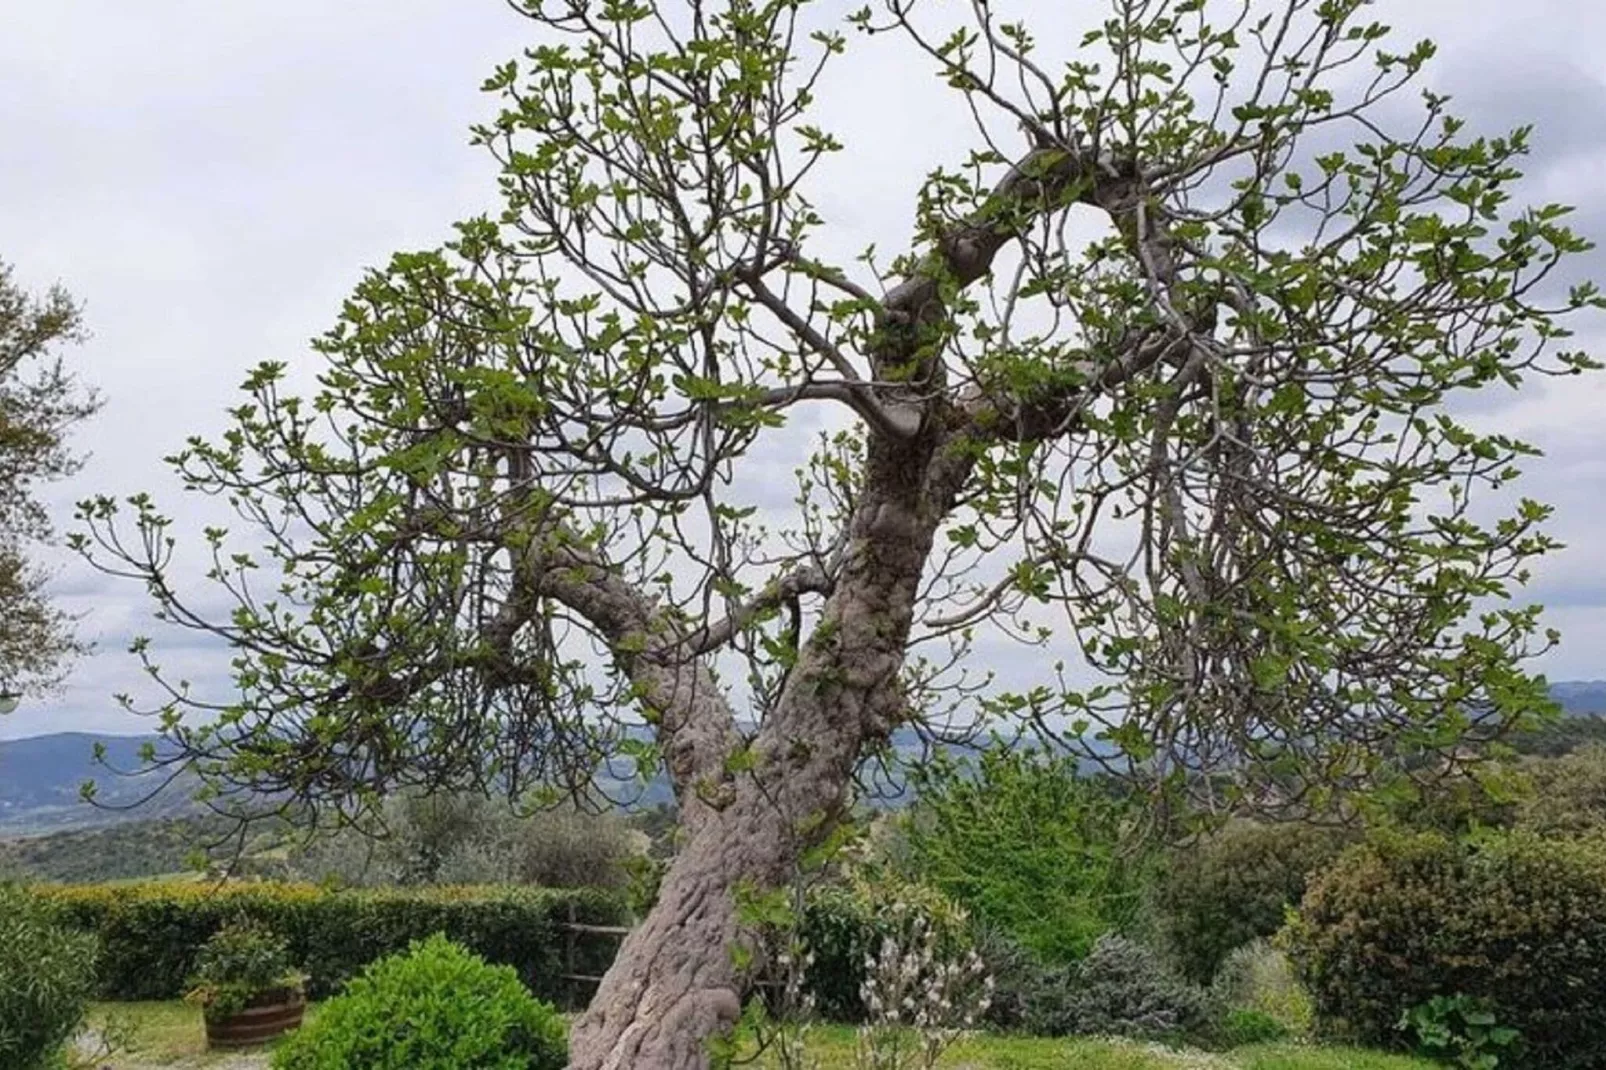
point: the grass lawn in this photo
(168, 1034)
(171, 1035)
(835, 1045)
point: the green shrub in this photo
(1259, 978)
(1567, 795)
(242, 961)
(843, 926)
(1028, 846)
(1233, 887)
(47, 976)
(1510, 920)
(1242, 1026)
(151, 933)
(1122, 988)
(1461, 1030)
(436, 1007)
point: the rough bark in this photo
(675, 982)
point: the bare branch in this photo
(811, 579)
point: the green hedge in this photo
(150, 932)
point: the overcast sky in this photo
(211, 178)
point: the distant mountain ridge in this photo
(1581, 698)
(40, 779)
(40, 775)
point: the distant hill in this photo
(40, 776)
(40, 779)
(128, 850)
(1581, 698)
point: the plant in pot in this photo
(245, 985)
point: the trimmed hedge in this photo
(150, 933)
(1510, 919)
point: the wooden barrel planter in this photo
(270, 1015)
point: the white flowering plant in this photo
(918, 1000)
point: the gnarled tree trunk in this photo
(676, 982)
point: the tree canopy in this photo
(40, 400)
(1166, 384)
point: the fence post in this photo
(570, 968)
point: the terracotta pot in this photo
(269, 1015)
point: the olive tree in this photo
(1165, 384)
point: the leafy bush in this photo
(844, 926)
(1464, 1031)
(435, 1007)
(1028, 846)
(1122, 989)
(1258, 978)
(1568, 794)
(1234, 887)
(242, 961)
(152, 933)
(1511, 920)
(47, 976)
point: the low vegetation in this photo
(1512, 924)
(47, 975)
(434, 1007)
(170, 1035)
(1474, 938)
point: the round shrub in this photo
(1234, 887)
(1508, 920)
(436, 1006)
(47, 975)
(1121, 989)
(242, 962)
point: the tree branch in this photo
(853, 391)
(810, 579)
(696, 726)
